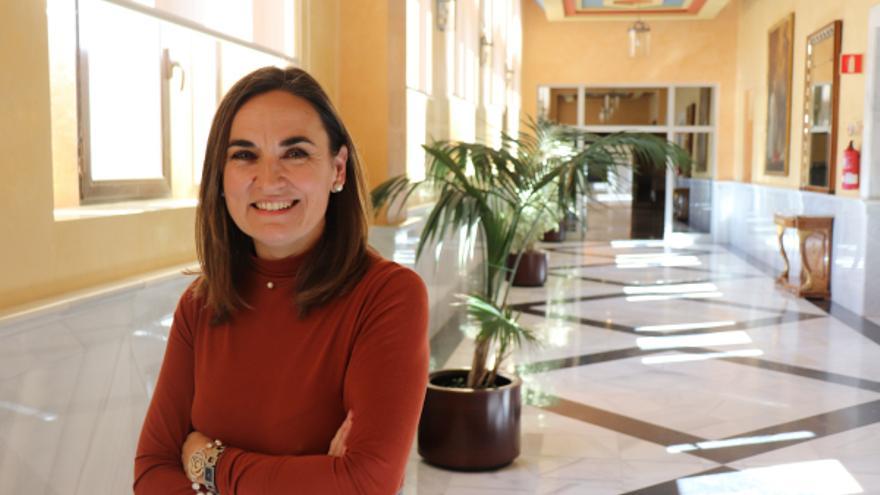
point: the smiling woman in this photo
(297, 361)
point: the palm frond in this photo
(496, 323)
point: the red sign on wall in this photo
(851, 63)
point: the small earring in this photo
(336, 188)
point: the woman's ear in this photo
(339, 162)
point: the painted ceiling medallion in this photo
(633, 3)
(622, 10)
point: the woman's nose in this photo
(269, 173)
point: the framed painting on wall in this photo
(780, 51)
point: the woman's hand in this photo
(194, 441)
(338, 445)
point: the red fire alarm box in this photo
(851, 63)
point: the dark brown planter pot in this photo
(470, 429)
(557, 235)
(570, 222)
(532, 270)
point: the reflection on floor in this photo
(664, 370)
(680, 370)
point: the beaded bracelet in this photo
(203, 463)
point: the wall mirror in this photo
(821, 87)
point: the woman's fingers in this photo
(338, 444)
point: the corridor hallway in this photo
(666, 366)
(665, 369)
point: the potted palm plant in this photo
(536, 219)
(507, 196)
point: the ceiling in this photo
(623, 10)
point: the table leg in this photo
(783, 277)
(807, 282)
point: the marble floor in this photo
(663, 370)
(680, 370)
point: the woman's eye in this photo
(296, 153)
(242, 155)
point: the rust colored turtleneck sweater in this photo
(275, 389)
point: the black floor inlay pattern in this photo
(864, 326)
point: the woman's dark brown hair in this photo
(339, 259)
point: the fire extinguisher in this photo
(851, 159)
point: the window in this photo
(419, 50)
(694, 125)
(467, 40)
(123, 140)
(499, 24)
(419, 58)
(150, 76)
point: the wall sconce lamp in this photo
(485, 49)
(441, 14)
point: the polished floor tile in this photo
(681, 370)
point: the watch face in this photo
(209, 477)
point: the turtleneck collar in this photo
(279, 269)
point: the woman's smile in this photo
(274, 207)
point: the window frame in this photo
(94, 191)
(669, 127)
(103, 191)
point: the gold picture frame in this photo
(780, 57)
(821, 108)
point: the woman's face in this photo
(279, 172)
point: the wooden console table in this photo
(814, 236)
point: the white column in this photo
(670, 175)
(870, 166)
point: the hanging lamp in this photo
(639, 39)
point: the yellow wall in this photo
(630, 111)
(320, 43)
(364, 82)
(596, 53)
(41, 257)
(756, 18)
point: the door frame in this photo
(668, 128)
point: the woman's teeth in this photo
(273, 205)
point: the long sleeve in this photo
(157, 466)
(384, 387)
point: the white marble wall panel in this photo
(743, 218)
(699, 203)
(446, 267)
(872, 264)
